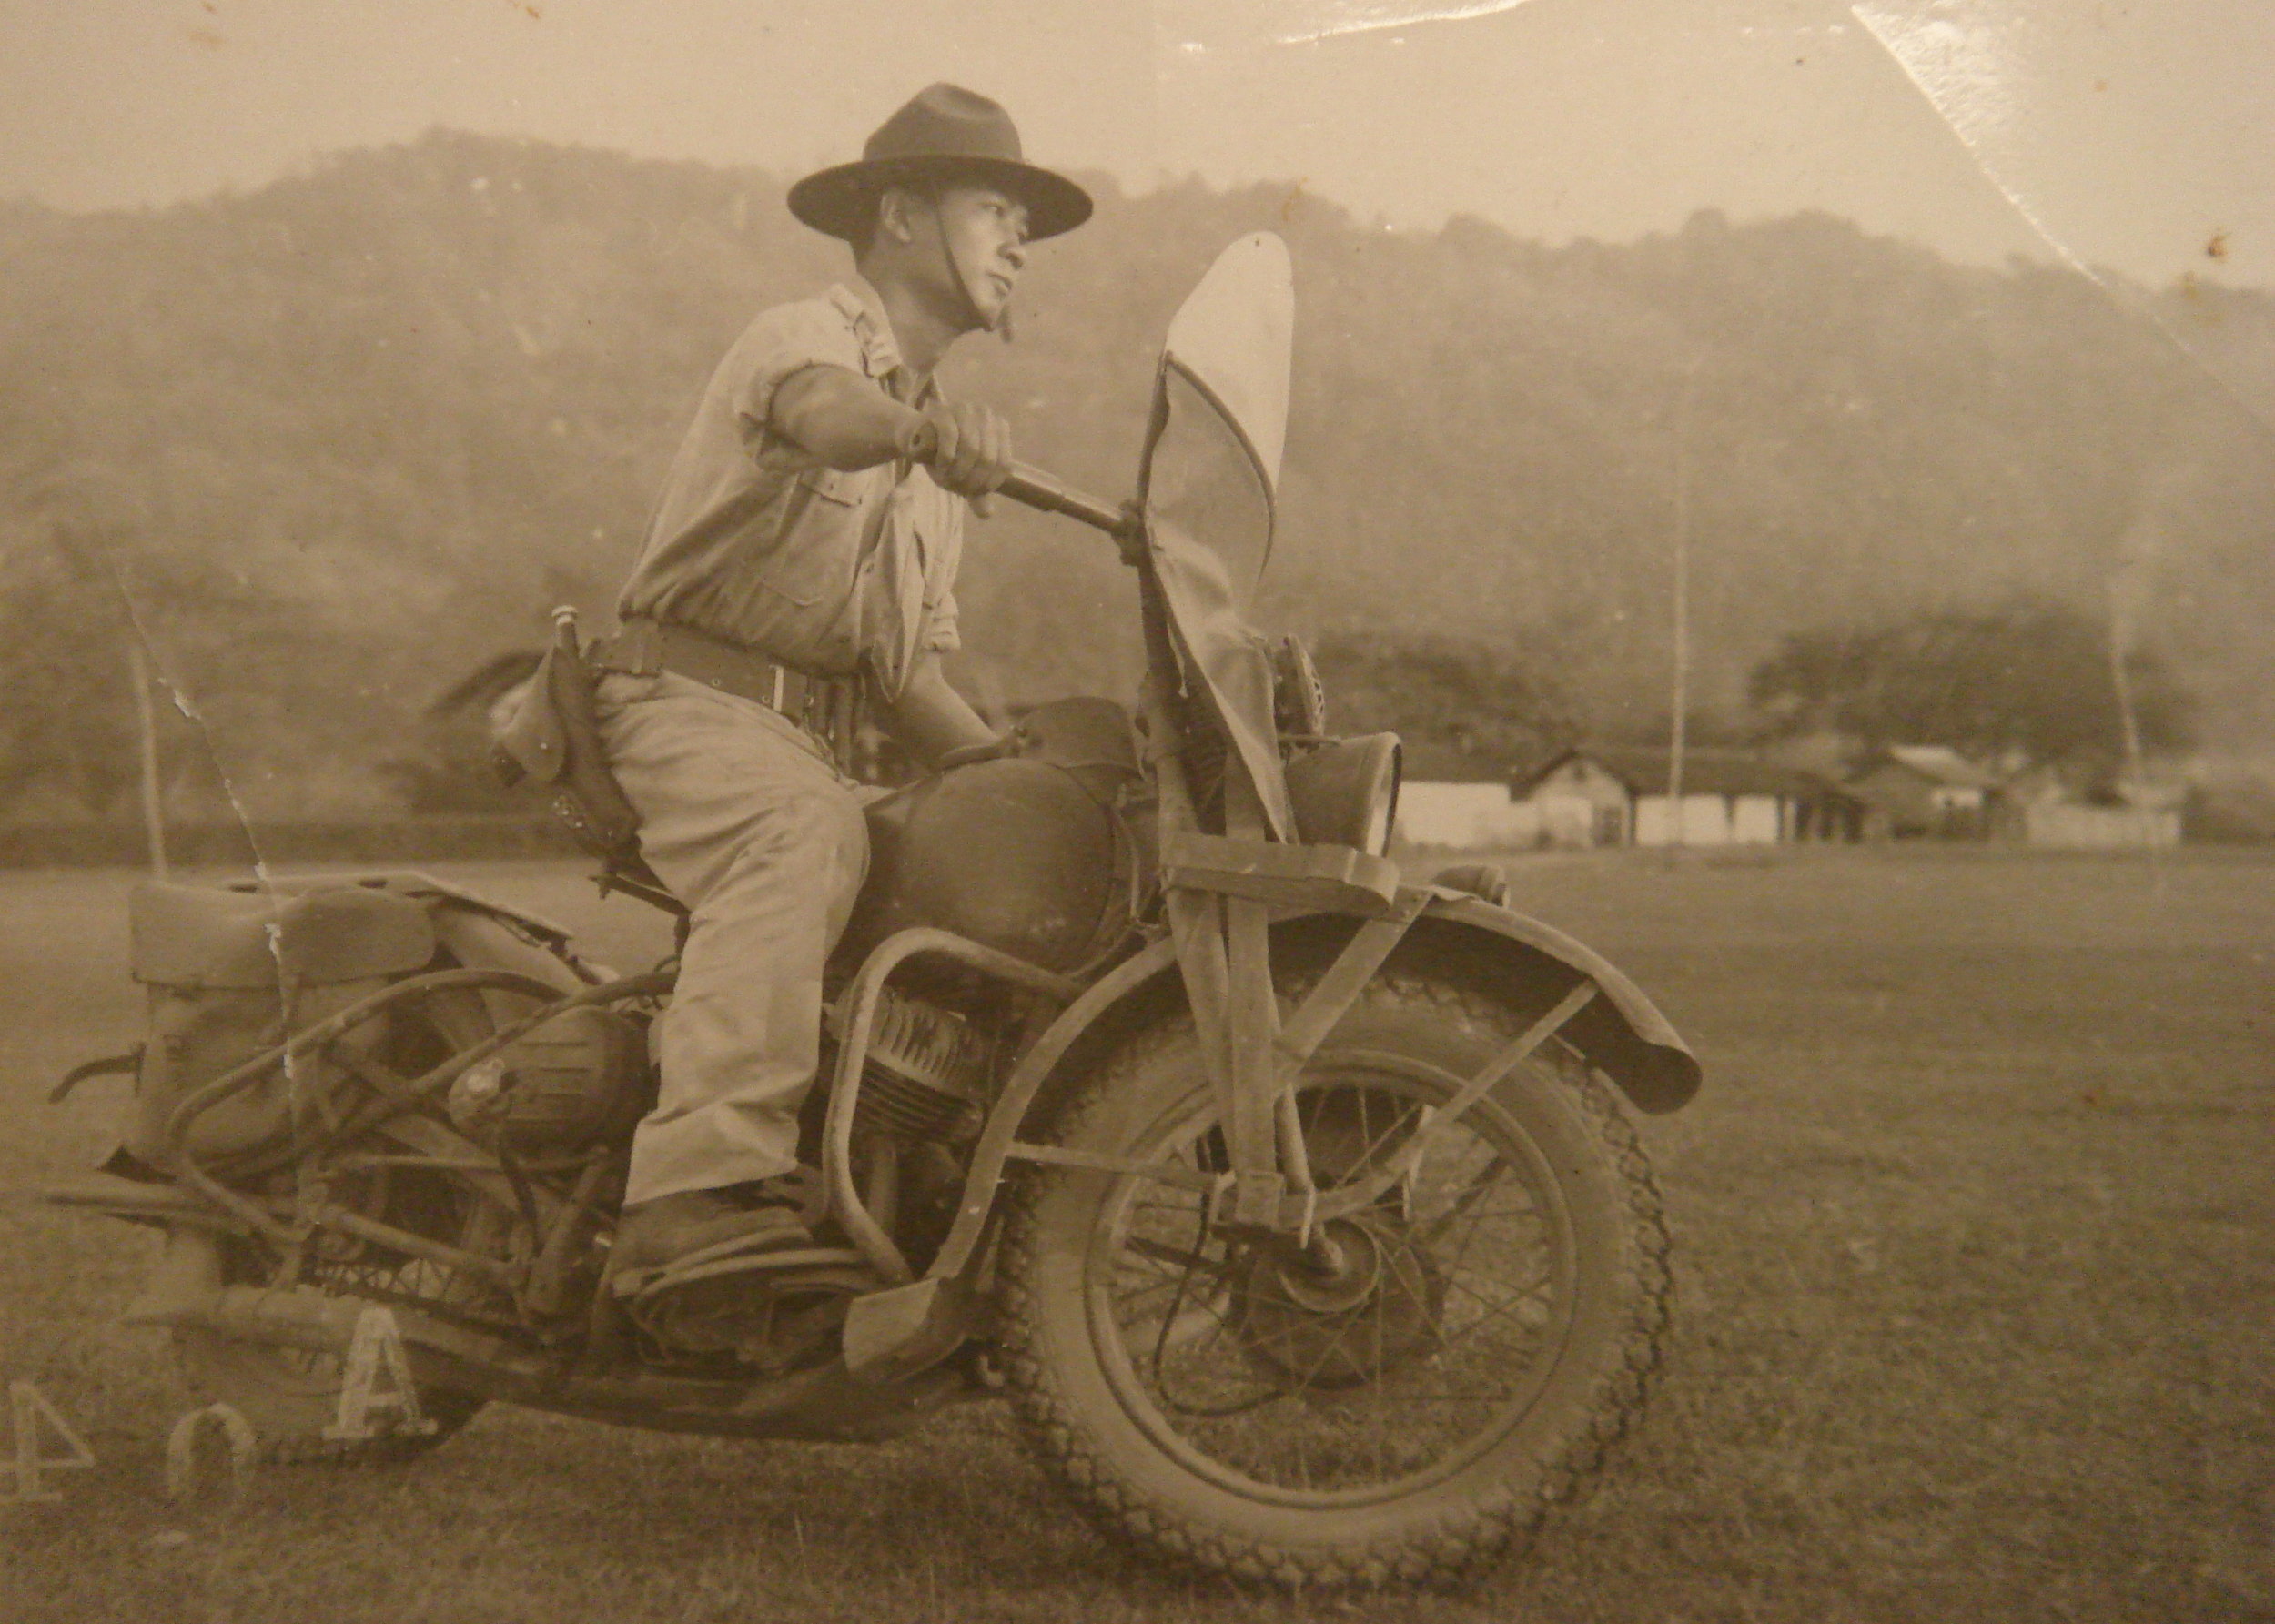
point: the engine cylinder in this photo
(580, 1077)
(926, 1075)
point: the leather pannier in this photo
(229, 973)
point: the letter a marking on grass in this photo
(377, 1350)
(27, 1410)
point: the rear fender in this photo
(480, 939)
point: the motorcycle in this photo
(1292, 1203)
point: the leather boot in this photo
(655, 1235)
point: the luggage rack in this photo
(288, 1223)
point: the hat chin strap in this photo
(1001, 325)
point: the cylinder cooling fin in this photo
(928, 1072)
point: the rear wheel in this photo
(291, 1395)
(1397, 1404)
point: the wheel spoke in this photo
(1518, 1301)
(1388, 1364)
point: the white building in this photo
(1451, 801)
(1471, 816)
(1609, 795)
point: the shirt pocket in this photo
(835, 485)
(821, 530)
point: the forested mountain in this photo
(340, 439)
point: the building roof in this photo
(1642, 770)
(1942, 765)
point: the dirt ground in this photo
(1977, 1253)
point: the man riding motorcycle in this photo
(801, 560)
(1294, 1203)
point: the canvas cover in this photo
(207, 936)
(231, 970)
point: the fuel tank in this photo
(1032, 855)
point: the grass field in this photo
(1976, 1260)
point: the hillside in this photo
(345, 437)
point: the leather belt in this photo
(821, 705)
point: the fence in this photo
(2099, 828)
(229, 845)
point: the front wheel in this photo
(1397, 1404)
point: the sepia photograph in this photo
(1428, 811)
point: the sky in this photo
(2135, 136)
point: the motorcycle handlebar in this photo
(1035, 489)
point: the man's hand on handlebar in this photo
(966, 446)
(969, 450)
(1011, 743)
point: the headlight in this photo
(1346, 793)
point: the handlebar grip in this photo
(1037, 489)
(1029, 486)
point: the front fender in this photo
(1621, 1032)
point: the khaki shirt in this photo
(756, 540)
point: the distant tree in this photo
(1491, 703)
(2028, 679)
(1704, 727)
(228, 641)
(66, 731)
(73, 597)
(417, 396)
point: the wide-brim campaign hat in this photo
(944, 133)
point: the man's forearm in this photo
(849, 423)
(930, 719)
(840, 417)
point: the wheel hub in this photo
(1358, 1303)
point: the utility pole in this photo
(147, 734)
(1681, 702)
(2121, 680)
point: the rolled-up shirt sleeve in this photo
(782, 342)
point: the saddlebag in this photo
(229, 974)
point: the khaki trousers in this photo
(757, 833)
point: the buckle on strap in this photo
(636, 649)
(646, 646)
(822, 706)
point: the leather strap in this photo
(821, 705)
